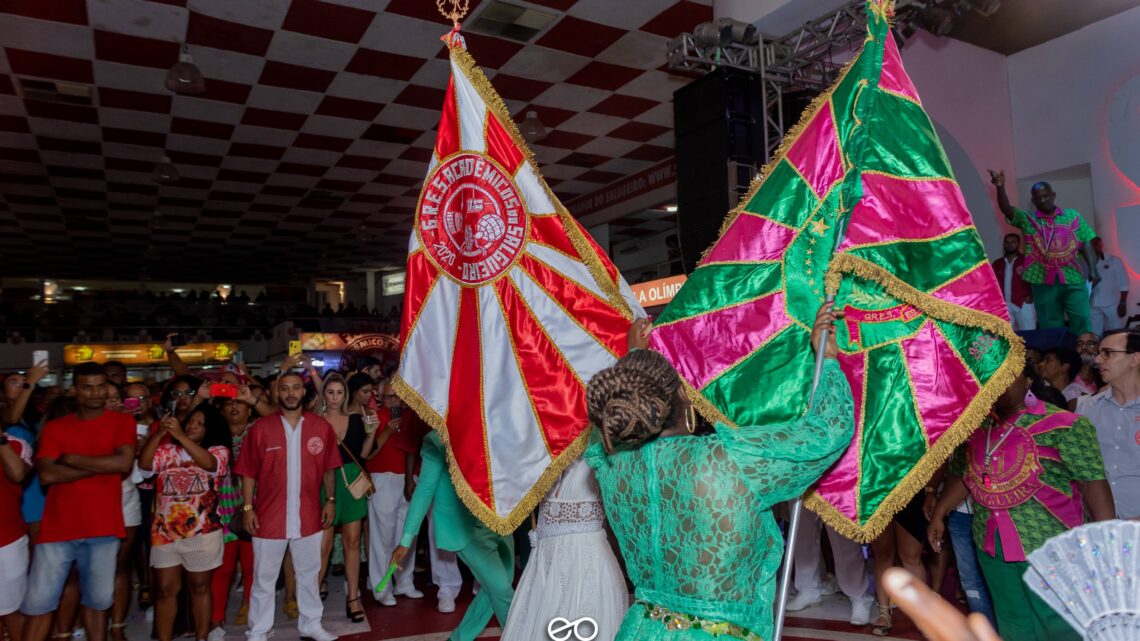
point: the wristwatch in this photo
(331, 499)
(247, 508)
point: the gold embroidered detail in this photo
(678, 621)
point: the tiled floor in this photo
(418, 620)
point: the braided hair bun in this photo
(634, 400)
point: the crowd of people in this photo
(175, 492)
(112, 484)
(117, 492)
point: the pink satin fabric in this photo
(816, 153)
(751, 238)
(893, 209)
(736, 331)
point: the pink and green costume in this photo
(859, 202)
(1025, 492)
(1054, 267)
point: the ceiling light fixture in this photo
(531, 128)
(165, 172)
(936, 20)
(185, 76)
(986, 7)
(740, 32)
(708, 34)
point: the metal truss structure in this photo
(801, 60)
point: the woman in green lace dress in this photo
(693, 514)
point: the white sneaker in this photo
(388, 599)
(410, 591)
(829, 585)
(317, 633)
(861, 610)
(446, 604)
(804, 600)
(217, 634)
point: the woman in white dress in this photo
(572, 572)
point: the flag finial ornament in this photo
(453, 10)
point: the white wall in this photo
(1076, 100)
(965, 90)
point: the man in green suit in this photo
(490, 557)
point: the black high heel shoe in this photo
(355, 617)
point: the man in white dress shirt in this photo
(1110, 296)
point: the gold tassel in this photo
(971, 418)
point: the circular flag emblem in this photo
(315, 446)
(470, 219)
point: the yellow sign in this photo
(658, 292)
(147, 353)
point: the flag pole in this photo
(798, 504)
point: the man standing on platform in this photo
(1018, 297)
(1056, 240)
(1115, 413)
(1110, 295)
(490, 557)
(285, 458)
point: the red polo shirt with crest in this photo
(265, 458)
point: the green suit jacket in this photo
(454, 523)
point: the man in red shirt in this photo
(285, 458)
(81, 461)
(387, 508)
(444, 564)
(15, 463)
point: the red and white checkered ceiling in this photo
(304, 156)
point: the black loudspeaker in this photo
(719, 131)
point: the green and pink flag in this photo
(859, 202)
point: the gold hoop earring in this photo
(691, 422)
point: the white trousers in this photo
(1022, 318)
(267, 557)
(1102, 319)
(850, 566)
(444, 565)
(13, 575)
(387, 510)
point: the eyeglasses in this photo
(139, 398)
(388, 396)
(183, 393)
(1087, 343)
(1107, 353)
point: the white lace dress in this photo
(572, 572)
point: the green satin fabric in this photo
(714, 286)
(928, 265)
(790, 200)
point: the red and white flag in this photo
(509, 309)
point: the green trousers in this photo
(491, 559)
(1021, 614)
(1054, 302)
